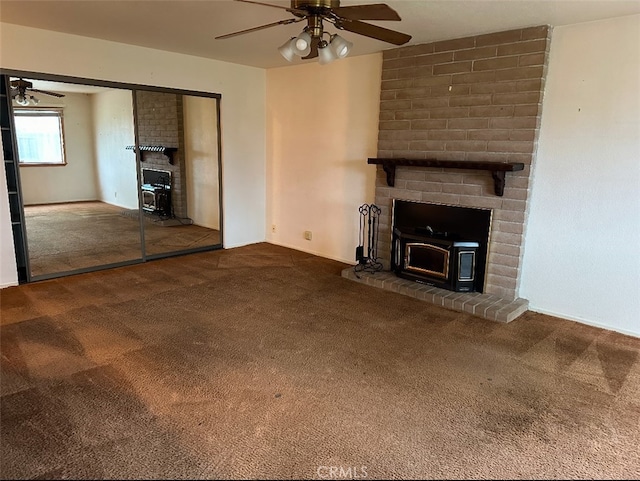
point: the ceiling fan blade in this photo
(373, 31)
(315, 41)
(254, 29)
(45, 92)
(288, 9)
(374, 11)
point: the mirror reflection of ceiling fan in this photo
(21, 92)
(310, 43)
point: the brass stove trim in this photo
(409, 267)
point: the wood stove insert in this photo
(441, 245)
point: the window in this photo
(40, 136)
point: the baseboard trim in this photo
(308, 251)
(8, 284)
(584, 321)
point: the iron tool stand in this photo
(368, 239)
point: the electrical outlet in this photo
(307, 234)
(273, 228)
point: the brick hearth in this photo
(488, 306)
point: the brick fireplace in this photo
(160, 123)
(469, 99)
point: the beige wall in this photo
(8, 272)
(77, 180)
(580, 256)
(113, 131)
(201, 161)
(322, 123)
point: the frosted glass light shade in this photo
(302, 44)
(326, 55)
(340, 46)
(287, 49)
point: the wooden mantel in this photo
(497, 169)
(167, 151)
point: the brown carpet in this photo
(262, 362)
(77, 235)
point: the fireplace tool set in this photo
(368, 239)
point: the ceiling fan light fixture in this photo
(340, 46)
(287, 49)
(310, 44)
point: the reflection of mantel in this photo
(497, 169)
(168, 151)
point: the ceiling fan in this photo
(310, 43)
(19, 92)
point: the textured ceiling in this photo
(189, 27)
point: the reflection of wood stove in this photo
(156, 192)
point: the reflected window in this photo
(40, 136)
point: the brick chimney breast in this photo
(475, 98)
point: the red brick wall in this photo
(474, 98)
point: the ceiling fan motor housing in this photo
(316, 9)
(21, 84)
(311, 4)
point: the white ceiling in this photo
(189, 26)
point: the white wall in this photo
(243, 106)
(8, 271)
(113, 131)
(201, 161)
(75, 181)
(581, 256)
(322, 125)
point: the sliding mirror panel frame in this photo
(10, 158)
(206, 210)
(178, 141)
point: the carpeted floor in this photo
(262, 362)
(77, 235)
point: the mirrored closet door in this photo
(109, 174)
(179, 168)
(79, 186)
